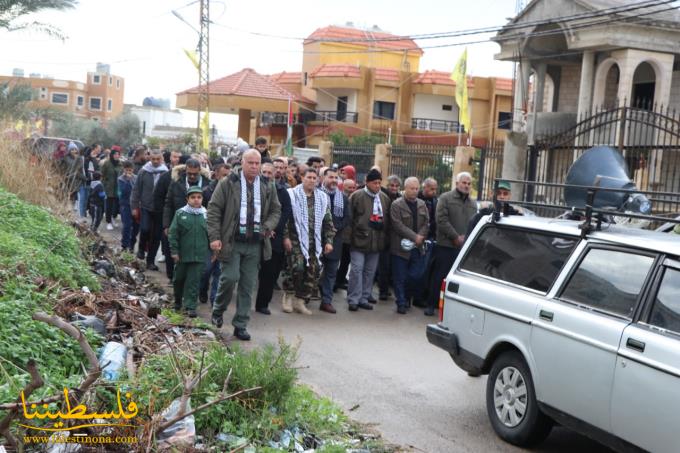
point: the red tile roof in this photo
(336, 70)
(249, 83)
(435, 77)
(391, 75)
(287, 77)
(365, 38)
(503, 84)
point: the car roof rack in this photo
(588, 211)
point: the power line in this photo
(466, 32)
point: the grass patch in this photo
(36, 247)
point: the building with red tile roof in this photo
(360, 81)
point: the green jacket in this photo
(363, 238)
(224, 209)
(110, 174)
(453, 214)
(188, 237)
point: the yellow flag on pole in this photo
(205, 131)
(459, 75)
(192, 56)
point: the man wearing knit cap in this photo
(370, 210)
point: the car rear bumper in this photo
(442, 338)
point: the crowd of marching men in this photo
(257, 223)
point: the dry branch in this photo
(35, 383)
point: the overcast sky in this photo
(143, 41)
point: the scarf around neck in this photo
(243, 213)
(195, 211)
(301, 218)
(338, 201)
(155, 171)
(377, 215)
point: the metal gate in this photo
(649, 140)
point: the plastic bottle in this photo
(112, 359)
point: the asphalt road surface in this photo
(381, 364)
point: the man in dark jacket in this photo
(428, 193)
(111, 170)
(212, 266)
(409, 225)
(370, 209)
(503, 194)
(454, 211)
(143, 209)
(270, 269)
(342, 217)
(183, 176)
(160, 192)
(385, 261)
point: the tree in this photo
(14, 100)
(88, 131)
(12, 13)
(125, 130)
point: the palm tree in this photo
(12, 13)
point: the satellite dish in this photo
(603, 166)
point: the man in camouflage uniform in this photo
(309, 232)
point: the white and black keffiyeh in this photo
(298, 200)
(196, 211)
(377, 205)
(338, 201)
(243, 213)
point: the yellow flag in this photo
(192, 56)
(205, 131)
(459, 75)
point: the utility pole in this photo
(203, 52)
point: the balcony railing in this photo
(428, 124)
(274, 118)
(333, 115)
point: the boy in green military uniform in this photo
(188, 237)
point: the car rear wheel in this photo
(511, 402)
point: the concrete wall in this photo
(430, 106)
(569, 88)
(149, 118)
(327, 99)
(674, 102)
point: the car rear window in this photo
(526, 258)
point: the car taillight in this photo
(441, 300)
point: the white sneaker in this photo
(109, 226)
(115, 224)
(161, 259)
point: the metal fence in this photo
(424, 161)
(362, 157)
(487, 168)
(648, 139)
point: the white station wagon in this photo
(578, 329)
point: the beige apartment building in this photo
(99, 98)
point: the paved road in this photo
(381, 362)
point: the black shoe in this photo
(151, 267)
(140, 255)
(353, 307)
(342, 285)
(401, 309)
(371, 300)
(217, 322)
(277, 287)
(191, 313)
(263, 310)
(429, 311)
(418, 303)
(365, 306)
(383, 296)
(203, 298)
(241, 333)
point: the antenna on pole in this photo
(203, 51)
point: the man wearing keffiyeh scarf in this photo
(309, 232)
(341, 219)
